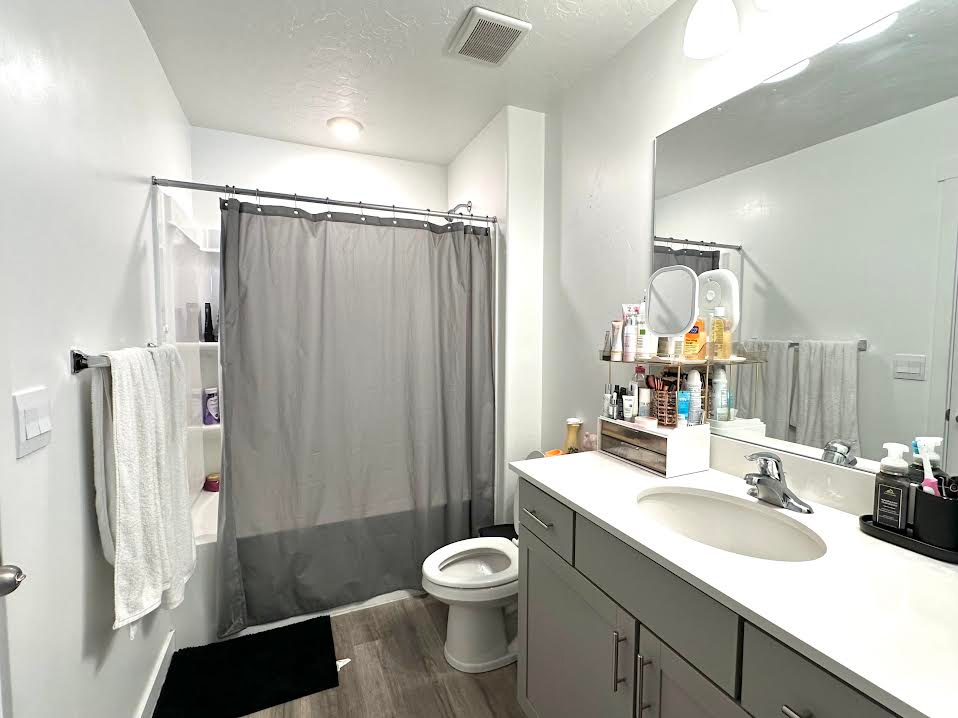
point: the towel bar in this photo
(81, 360)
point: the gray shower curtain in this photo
(358, 405)
(697, 260)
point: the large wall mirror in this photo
(831, 190)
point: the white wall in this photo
(844, 245)
(255, 162)
(502, 172)
(600, 140)
(87, 117)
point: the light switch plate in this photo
(34, 426)
(909, 366)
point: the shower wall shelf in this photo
(205, 428)
(678, 363)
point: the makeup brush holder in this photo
(666, 407)
(936, 521)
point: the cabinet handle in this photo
(789, 713)
(616, 681)
(532, 515)
(640, 690)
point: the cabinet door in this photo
(668, 687)
(576, 646)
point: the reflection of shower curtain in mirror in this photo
(696, 260)
(358, 407)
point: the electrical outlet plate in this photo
(34, 426)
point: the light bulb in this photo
(345, 128)
(711, 30)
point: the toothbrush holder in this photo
(936, 520)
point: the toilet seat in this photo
(473, 564)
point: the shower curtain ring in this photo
(329, 214)
(295, 205)
(362, 213)
(394, 214)
(259, 207)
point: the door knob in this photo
(10, 579)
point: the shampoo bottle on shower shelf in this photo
(209, 332)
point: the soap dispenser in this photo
(892, 489)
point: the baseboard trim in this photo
(152, 693)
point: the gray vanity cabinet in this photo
(577, 646)
(668, 687)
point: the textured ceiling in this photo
(281, 69)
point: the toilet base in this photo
(476, 639)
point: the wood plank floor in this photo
(398, 671)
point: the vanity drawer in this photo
(550, 520)
(776, 680)
(704, 632)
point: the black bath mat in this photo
(247, 674)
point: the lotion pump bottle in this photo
(892, 490)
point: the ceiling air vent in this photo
(488, 36)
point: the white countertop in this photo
(881, 618)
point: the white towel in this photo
(765, 390)
(139, 424)
(826, 393)
(174, 484)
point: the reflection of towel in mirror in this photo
(765, 390)
(825, 405)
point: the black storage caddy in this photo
(935, 532)
(936, 521)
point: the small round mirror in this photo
(673, 301)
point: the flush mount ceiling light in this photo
(711, 30)
(345, 128)
(869, 32)
(790, 72)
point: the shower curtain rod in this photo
(711, 245)
(262, 194)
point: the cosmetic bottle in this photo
(648, 342)
(616, 340)
(629, 338)
(607, 346)
(645, 403)
(607, 401)
(695, 339)
(892, 490)
(682, 407)
(693, 383)
(721, 335)
(719, 399)
(628, 407)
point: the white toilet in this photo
(477, 577)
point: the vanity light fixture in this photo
(788, 73)
(712, 29)
(872, 30)
(345, 128)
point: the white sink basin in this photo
(732, 524)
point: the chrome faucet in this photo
(839, 451)
(769, 485)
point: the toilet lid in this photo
(474, 563)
